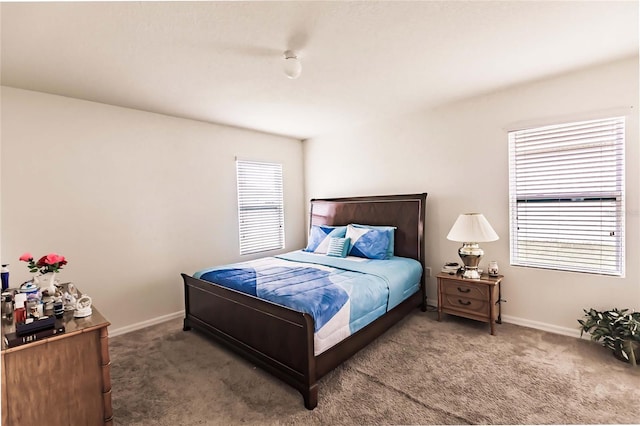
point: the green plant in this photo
(618, 330)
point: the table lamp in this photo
(470, 229)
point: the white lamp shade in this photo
(472, 228)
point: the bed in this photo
(282, 340)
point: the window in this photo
(260, 206)
(567, 196)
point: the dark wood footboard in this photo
(277, 339)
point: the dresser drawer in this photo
(468, 291)
(464, 304)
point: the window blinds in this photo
(260, 206)
(567, 196)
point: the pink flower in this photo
(26, 257)
(53, 258)
(52, 262)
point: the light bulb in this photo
(292, 65)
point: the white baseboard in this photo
(565, 331)
(551, 328)
(144, 324)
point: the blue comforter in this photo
(339, 293)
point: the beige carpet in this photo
(420, 372)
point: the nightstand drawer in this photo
(465, 304)
(468, 291)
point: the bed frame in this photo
(279, 339)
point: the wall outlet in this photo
(427, 271)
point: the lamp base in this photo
(471, 274)
(471, 253)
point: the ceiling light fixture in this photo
(292, 65)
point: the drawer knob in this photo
(467, 303)
(464, 290)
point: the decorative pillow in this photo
(319, 237)
(338, 247)
(367, 242)
(390, 229)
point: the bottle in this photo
(19, 310)
(5, 277)
(7, 305)
(493, 268)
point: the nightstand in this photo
(470, 298)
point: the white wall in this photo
(132, 199)
(458, 153)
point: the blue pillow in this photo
(368, 243)
(319, 237)
(338, 247)
(390, 229)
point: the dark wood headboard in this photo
(406, 212)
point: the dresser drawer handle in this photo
(464, 290)
(467, 303)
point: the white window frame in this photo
(260, 206)
(566, 196)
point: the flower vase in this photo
(46, 282)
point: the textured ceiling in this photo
(222, 62)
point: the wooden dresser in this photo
(470, 298)
(61, 380)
